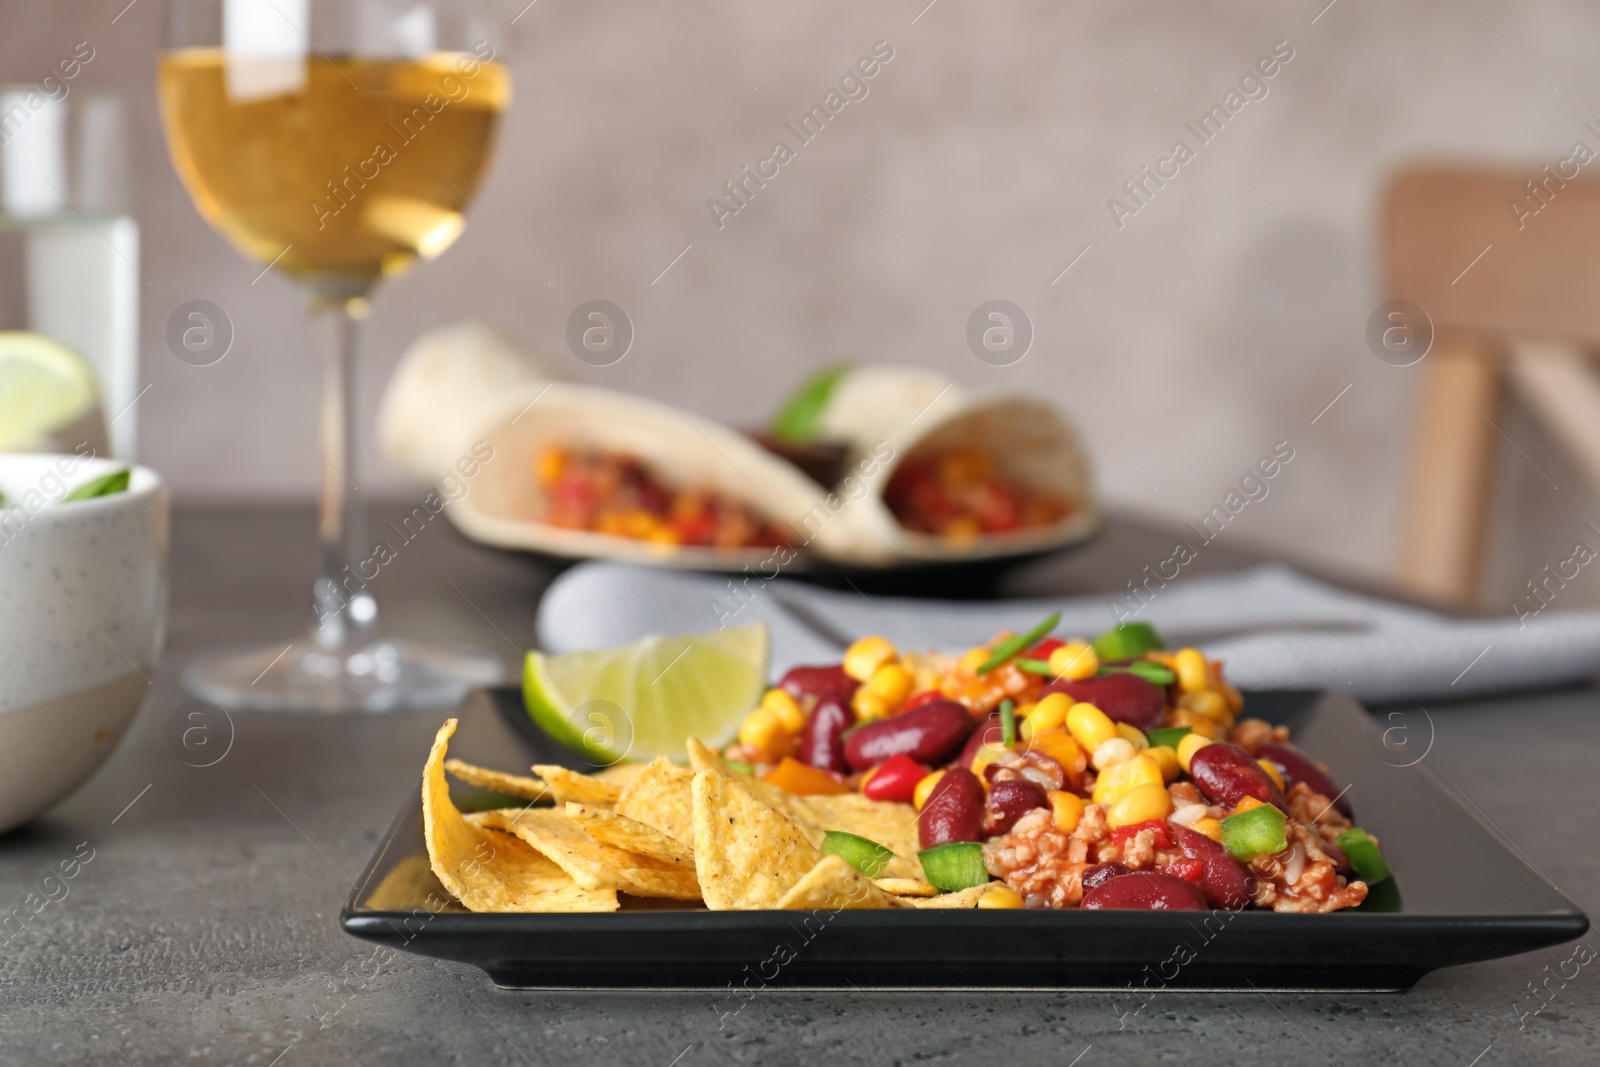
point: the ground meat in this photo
(1041, 862)
(1183, 794)
(1251, 734)
(1318, 886)
(1317, 811)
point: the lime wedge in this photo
(44, 386)
(643, 700)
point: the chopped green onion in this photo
(1008, 722)
(1034, 666)
(1364, 855)
(105, 485)
(1128, 641)
(957, 865)
(1012, 645)
(1169, 736)
(1153, 673)
(1258, 832)
(739, 765)
(868, 857)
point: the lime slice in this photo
(44, 386)
(643, 700)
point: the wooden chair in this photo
(1514, 297)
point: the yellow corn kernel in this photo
(1208, 826)
(1089, 726)
(552, 461)
(866, 656)
(1074, 661)
(919, 795)
(975, 658)
(786, 709)
(1059, 746)
(1118, 778)
(1188, 746)
(1194, 721)
(1066, 809)
(1050, 713)
(1272, 772)
(893, 683)
(987, 754)
(1166, 758)
(1208, 702)
(1001, 896)
(1139, 804)
(1134, 737)
(868, 705)
(762, 732)
(1190, 667)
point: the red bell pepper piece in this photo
(1187, 869)
(1043, 649)
(895, 778)
(920, 699)
(1122, 834)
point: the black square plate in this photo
(1458, 896)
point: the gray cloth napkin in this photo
(1273, 627)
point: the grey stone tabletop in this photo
(203, 927)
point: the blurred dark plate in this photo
(1458, 896)
(957, 579)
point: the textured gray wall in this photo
(1221, 318)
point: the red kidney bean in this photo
(953, 811)
(822, 739)
(1225, 881)
(1228, 775)
(1009, 801)
(1123, 697)
(1296, 766)
(927, 734)
(1145, 891)
(1102, 872)
(819, 682)
(988, 730)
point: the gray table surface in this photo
(204, 929)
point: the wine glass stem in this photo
(342, 606)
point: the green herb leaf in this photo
(105, 485)
(797, 421)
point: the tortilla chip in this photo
(746, 854)
(592, 864)
(566, 784)
(834, 885)
(661, 797)
(624, 833)
(620, 774)
(890, 824)
(962, 898)
(487, 870)
(512, 785)
(906, 887)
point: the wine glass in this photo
(335, 141)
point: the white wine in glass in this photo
(336, 141)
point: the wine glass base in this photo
(364, 676)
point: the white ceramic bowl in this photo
(83, 607)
